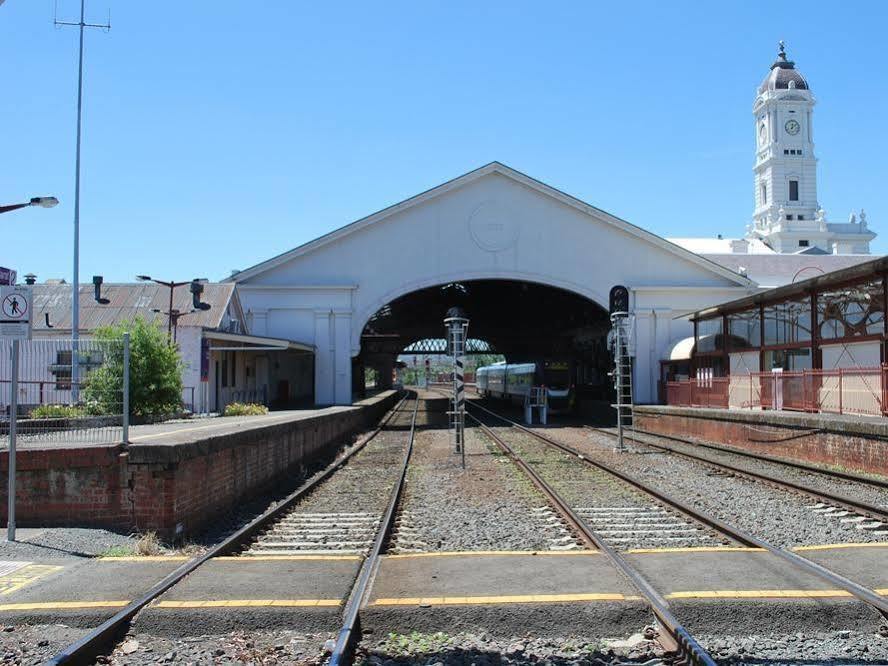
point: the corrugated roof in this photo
(128, 301)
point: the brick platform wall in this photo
(859, 444)
(167, 487)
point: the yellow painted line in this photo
(249, 603)
(699, 549)
(830, 546)
(62, 605)
(503, 599)
(295, 558)
(489, 553)
(758, 594)
(144, 558)
(25, 576)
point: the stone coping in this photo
(205, 438)
(844, 424)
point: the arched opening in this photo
(521, 320)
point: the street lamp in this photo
(196, 290)
(42, 202)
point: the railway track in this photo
(683, 644)
(857, 590)
(843, 507)
(285, 529)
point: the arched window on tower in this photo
(764, 191)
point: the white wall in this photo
(488, 228)
(856, 355)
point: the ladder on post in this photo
(622, 327)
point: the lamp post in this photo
(42, 202)
(196, 290)
(174, 316)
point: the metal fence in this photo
(861, 391)
(60, 401)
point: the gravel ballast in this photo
(818, 481)
(624, 517)
(490, 505)
(779, 517)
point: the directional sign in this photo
(15, 313)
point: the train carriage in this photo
(514, 381)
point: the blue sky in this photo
(218, 134)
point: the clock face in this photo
(792, 126)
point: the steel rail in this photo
(870, 510)
(89, 646)
(343, 650)
(687, 644)
(855, 589)
(835, 473)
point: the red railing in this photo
(861, 391)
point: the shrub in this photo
(245, 409)
(155, 372)
(57, 412)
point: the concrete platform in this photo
(857, 443)
(711, 590)
(176, 477)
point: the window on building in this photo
(764, 194)
(709, 335)
(803, 243)
(224, 370)
(851, 311)
(802, 217)
(789, 217)
(233, 369)
(788, 322)
(785, 151)
(793, 190)
(62, 369)
(744, 330)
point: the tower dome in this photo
(783, 74)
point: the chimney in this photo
(30, 278)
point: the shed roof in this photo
(128, 301)
(862, 271)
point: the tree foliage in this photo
(155, 372)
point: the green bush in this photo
(57, 412)
(155, 372)
(245, 409)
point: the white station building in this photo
(360, 294)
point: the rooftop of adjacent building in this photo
(148, 300)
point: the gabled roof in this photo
(129, 301)
(508, 172)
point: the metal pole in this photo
(170, 313)
(13, 426)
(75, 286)
(126, 387)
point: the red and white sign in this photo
(15, 312)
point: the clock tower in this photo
(787, 215)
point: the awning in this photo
(680, 350)
(261, 343)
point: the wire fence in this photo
(67, 392)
